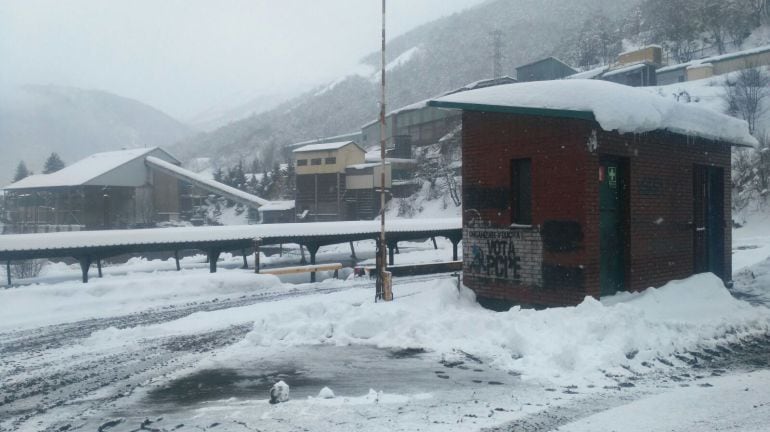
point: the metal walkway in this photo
(90, 247)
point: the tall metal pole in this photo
(382, 253)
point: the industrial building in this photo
(113, 190)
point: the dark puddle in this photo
(217, 384)
(348, 371)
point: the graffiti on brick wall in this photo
(514, 255)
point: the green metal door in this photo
(612, 271)
(708, 219)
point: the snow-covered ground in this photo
(150, 348)
(739, 402)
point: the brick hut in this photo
(579, 187)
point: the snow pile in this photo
(615, 107)
(279, 392)
(326, 393)
(628, 332)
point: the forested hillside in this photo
(442, 55)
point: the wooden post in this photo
(176, 258)
(313, 249)
(435, 246)
(391, 252)
(353, 251)
(257, 243)
(99, 266)
(245, 262)
(8, 271)
(455, 241)
(85, 265)
(213, 256)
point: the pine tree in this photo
(239, 176)
(219, 175)
(53, 164)
(255, 167)
(21, 172)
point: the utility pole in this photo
(497, 53)
(384, 286)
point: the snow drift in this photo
(623, 334)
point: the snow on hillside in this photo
(708, 93)
(759, 37)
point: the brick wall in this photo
(661, 201)
(565, 196)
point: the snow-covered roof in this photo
(73, 240)
(82, 171)
(589, 74)
(626, 69)
(324, 147)
(277, 206)
(211, 185)
(716, 59)
(614, 106)
(350, 136)
(367, 165)
(489, 82)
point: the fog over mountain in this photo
(37, 120)
(433, 58)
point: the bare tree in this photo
(745, 95)
(743, 179)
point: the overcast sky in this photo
(184, 56)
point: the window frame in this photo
(521, 191)
(301, 162)
(333, 160)
(316, 162)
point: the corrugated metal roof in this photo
(82, 171)
(324, 147)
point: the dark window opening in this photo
(315, 161)
(301, 162)
(330, 161)
(521, 191)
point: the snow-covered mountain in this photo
(439, 56)
(235, 108)
(37, 120)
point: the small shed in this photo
(579, 188)
(278, 212)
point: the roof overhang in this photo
(541, 112)
(501, 109)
